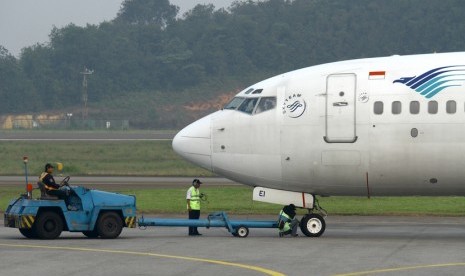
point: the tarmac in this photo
(352, 245)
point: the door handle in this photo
(340, 104)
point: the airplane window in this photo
(378, 108)
(432, 107)
(258, 91)
(396, 107)
(414, 107)
(451, 107)
(265, 103)
(234, 103)
(248, 105)
(248, 91)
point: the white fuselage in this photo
(324, 135)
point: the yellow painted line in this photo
(249, 267)
(398, 269)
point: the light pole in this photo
(69, 115)
(85, 73)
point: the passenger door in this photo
(340, 108)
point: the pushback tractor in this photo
(92, 212)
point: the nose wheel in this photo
(313, 225)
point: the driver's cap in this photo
(48, 166)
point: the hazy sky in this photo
(27, 22)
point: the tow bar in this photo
(238, 228)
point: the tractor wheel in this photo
(312, 225)
(28, 233)
(109, 225)
(48, 225)
(90, 234)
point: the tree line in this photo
(148, 49)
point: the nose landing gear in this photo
(313, 224)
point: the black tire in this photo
(109, 225)
(28, 233)
(48, 225)
(312, 225)
(242, 231)
(90, 234)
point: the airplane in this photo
(385, 126)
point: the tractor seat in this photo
(43, 192)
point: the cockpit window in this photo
(248, 91)
(234, 103)
(248, 105)
(266, 103)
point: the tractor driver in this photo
(51, 188)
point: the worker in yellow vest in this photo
(54, 189)
(287, 223)
(193, 205)
(51, 187)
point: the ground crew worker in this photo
(51, 188)
(193, 205)
(287, 223)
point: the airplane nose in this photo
(193, 143)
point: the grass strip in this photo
(238, 200)
(119, 158)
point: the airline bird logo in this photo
(434, 81)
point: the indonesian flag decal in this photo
(376, 75)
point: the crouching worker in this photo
(51, 187)
(287, 222)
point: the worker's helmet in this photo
(292, 206)
(196, 181)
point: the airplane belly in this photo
(313, 166)
(424, 165)
(296, 158)
(249, 169)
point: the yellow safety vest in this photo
(286, 220)
(195, 198)
(41, 178)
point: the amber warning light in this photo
(29, 190)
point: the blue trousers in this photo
(193, 214)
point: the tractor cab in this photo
(72, 200)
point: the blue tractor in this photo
(92, 212)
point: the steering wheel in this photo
(64, 182)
